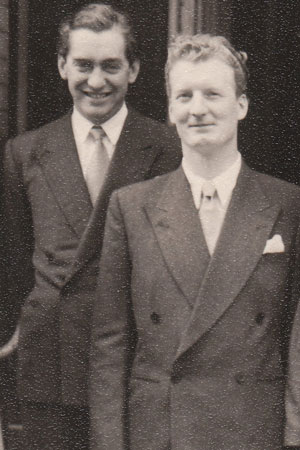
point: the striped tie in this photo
(210, 213)
(98, 164)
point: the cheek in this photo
(120, 81)
(74, 88)
(178, 114)
(76, 78)
(227, 111)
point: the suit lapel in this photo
(247, 226)
(132, 160)
(60, 164)
(177, 227)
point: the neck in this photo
(211, 164)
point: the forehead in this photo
(106, 44)
(213, 72)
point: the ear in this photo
(243, 106)
(61, 64)
(134, 71)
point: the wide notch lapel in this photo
(247, 226)
(132, 160)
(176, 224)
(60, 164)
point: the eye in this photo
(212, 94)
(184, 96)
(112, 66)
(84, 66)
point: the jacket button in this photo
(175, 378)
(240, 378)
(162, 224)
(61, 277)
(34, 303)
(156, 319)
(259, 318)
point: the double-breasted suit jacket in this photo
(197, 345)
(54, 242)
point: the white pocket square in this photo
(274, 245)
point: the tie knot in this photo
(208, 189)
(97, 132)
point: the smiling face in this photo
(98, 72)
(204, 105)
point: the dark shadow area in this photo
(269, 33)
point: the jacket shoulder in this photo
(279, 190)
(157, 131)
(24, 142)
(143, 191)
(272, 183)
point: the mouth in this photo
(97, 96)
(201, 125)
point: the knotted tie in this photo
(98, 164)
(210, 213)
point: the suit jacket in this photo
(7, 324)
(189, 351)
(54, 242)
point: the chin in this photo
(97, 117)
(200, 143)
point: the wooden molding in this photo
(199, 16)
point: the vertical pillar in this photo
(1, 439)
(199, 16)
(22, 87)
(4, 61)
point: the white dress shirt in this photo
(223, 183)
(85, 142)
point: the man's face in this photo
(204, 106)
(97, 71)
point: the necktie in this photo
(98, 164)
(210, 213)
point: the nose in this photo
(96, 79)
(198, 105)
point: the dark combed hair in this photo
(98, 17)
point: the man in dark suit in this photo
(192, 317)
(56, 208)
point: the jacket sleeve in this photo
(112, 338)
(292, 401)
(18, 237)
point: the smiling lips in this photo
(200, 125)
(97, 96)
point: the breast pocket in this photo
(272, 270)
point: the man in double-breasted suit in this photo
(195, 299)
(56, 219)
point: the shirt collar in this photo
(224, 183)
(112, 127)
(81, 126)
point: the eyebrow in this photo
(82, 60)
(108, 60)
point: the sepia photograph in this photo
(149, 225)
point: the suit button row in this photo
(240, 378)
(156, 319)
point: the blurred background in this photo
(31, 92)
